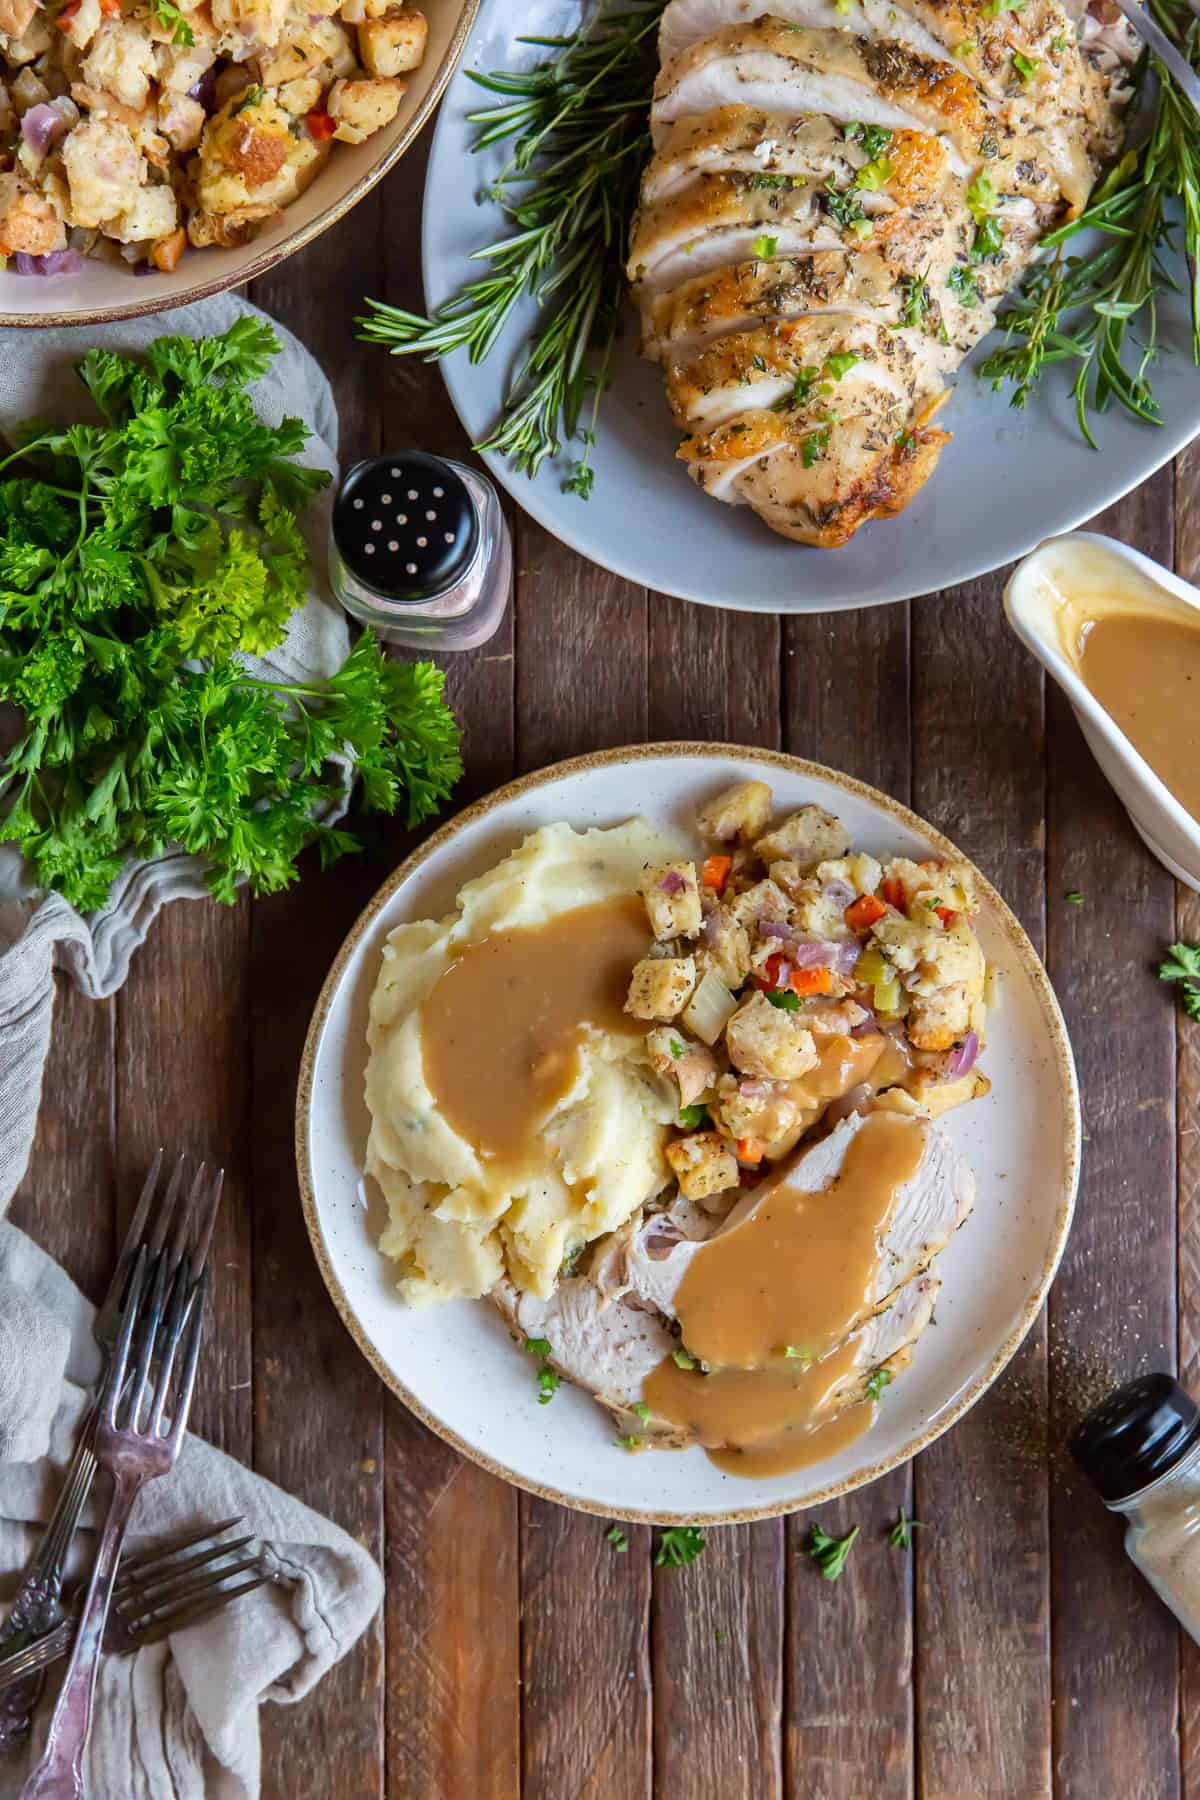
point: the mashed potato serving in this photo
(514, 1114)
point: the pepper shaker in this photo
(1140, 1447)
(419, 550)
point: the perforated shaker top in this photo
(406, 525)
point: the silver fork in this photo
(158, 1350)
(36, 1606)
(158, 1591)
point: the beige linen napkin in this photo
(179, 1719)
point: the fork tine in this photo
(133, 1237)
(139, 1612)
(148, 1340)
(146, 1560)
(163, 1218)
(196, 1610)
(191, 1319)
(187, 1213)
(140, 1587)
(208, 1223)
(110, 1394)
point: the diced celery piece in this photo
(872, 968)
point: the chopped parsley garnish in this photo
(915, 301)
(877, 1382)
(1058, 44)
(720, 1636)
(962, 284)
(618, 1539)
(794, 1353)
(684, 1358)
(842, 7)
(629, 1443)
(1073, 897)
(765, 247)
(872, 176)
(691, 1116)
(169, 15)
(904, 441)
(547, 1378)
(815, 444)
(994, 8)
(253, 96)
(873, 138)
(1183, 966)
(679, 1546)
(841, 362)
(1026, 66)
(843, 207)
(966, 48)
(981, 197)
(642, 1411)
(862, 228)
(901, 1533)
(989, 234)
(829, 1553)
(783, 998)
(778, 181)
(989, 241)
(677, 1049)
(800, 389)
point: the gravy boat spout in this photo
(1068, 580)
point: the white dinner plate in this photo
(456, 1366)
(1007, 481)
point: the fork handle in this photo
(59, 1775)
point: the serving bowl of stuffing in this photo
(196, 143)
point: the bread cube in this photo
(807, 837)
(691, 1066)
(724, 946)
(300, 97)
(362, 107)
(741, 811)
(703, 1164)
(103, 168)
(152, 213)
(939, 1020)
(324, 42)
(767, 1040)
(121, 62)
(393, 45)
(28, 222)
(661, 987)
(671, 892)
(764, 900)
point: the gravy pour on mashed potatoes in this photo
(514, 1114)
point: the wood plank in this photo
(66, 1200)
(318, 1408)
(718, 1625)
(585, 1712)
(1187, 928)
(453, 1603)
(1112, 1309)
(983, 1572)
(848, 1673)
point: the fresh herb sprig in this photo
(900, 1535)
(1182, 966)
(1099, 311)
(548, 1378)
(141, 559)
(829, 1553)
(579, 130)
(678, 1547)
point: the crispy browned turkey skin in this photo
(840, 193)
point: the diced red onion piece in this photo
(42, 126)
(814, 953)
(856, 1100)
(867, 1026)
(848, 952)
(753, 1090)
(962, 1058)
(775, 928)
(838, 893)
(672, 882)
(145, 268)
(205, 89)
(62, 262)
(784, 977)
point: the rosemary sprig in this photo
(579, 130)
(1100, 311)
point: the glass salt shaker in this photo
(1140, 1447)
(419, 550)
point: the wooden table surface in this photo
(1015, 1653)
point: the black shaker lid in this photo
(1137, 1433)
(406, 525)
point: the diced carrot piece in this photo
(111, 8)
(166, 251)
(811, 981)
(864, 913)
(893, 893)
(67, 13)
(749, 1150)
(946, 914)
(320, 126)
(716, 872)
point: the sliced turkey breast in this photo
(929, 1209)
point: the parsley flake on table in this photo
(618, 1539)
(829, 1553)
(901, 1532)
(1183, 966)
(679, 1546)
(141, 559)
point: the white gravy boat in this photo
(1075, 567)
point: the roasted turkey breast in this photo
(839, 194)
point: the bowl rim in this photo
(295, 240)
(1005, 919)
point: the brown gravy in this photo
(1144, 669)
(798, 1272)
(502, 1026)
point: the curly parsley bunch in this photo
(140, 560)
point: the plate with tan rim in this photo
(455, 1365)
